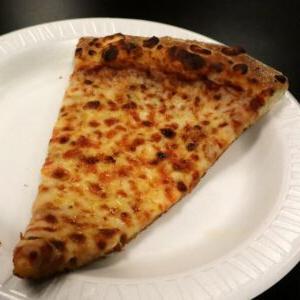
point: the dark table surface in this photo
(269, 30)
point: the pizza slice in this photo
(141, 122)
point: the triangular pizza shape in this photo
(141, 122)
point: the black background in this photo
(269, 30)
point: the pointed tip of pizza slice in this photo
(34, 259)
(142, 120)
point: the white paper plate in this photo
(232, 238)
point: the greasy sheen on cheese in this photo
(141, 122)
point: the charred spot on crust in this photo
(129, 105)
(256, 103)
(59, 245)
(78, 51)
(91, 52)
(93, 41)
(151, 42)
(280, 78)
(50, 219)
(72, 262)
(233, 51)
(210, 84)
(217, 67)
(128, 46)
(240, 68)
(92, 104)
(189, 60)
(110, 53)
(77, 237)
(168, 133)
(181, 187)
(233, 87)
(60, 173)
(200, 50)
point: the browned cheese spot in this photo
(110, 54)
(109, 159)
(50, 219)
(108, 232)
(72, 262)
(129, 105)
(151, 42)
(95, 188)
(224, 124)
(101, 244)
(63, 139)
(168, 133)
(83, 141)
(123, 239)
(122, 193)
(155, 137)
(161, 155)
(217, 96)
(233, 51)
(125, 217)
(189, 60)
(191, 146)
(90, 160)
(256, 103)
(88, 82)
(240, 68)
(182, 165)
(77, 237)
(92, 104)
(136, 142)
(60, 173)
(111, 121)
(181, 187)
(71, 153)
(200, 50)
(94, 123)
(147, 123)
(59, 245)
(32, 256)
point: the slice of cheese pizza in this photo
(141, 122)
